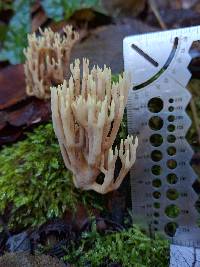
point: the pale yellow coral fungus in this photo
(47, 57)
(86, 115)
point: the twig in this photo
(154, 8)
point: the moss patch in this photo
(129, 248)
(35, 182)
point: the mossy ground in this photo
(131, 247)
(35, 182)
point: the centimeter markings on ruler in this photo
(158, 65)
(169, 34)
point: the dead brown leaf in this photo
(12, 86)
(9, 135)
(125, 8)
(3, 118)
(34, 112)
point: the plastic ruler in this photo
(163, 199)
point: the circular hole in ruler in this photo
(156, 155)
(172, 211)
(171, 127)
(171, 100)
(156, 123)
(172, 178)
(156, 183)
(170, 228)
(171, 118)
(155, 104)
(172, 194)
(156, 140)
(171, 164)
(171, 138)
(156, 205)
(156, 194)
(155, 222)
(156, 169)
(171, 151)
(171, 109)
(156, 214)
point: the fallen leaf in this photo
(9, 135)
(3, 118)
(12, 86)
(125, 8)
(31, 113)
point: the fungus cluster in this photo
(47, 57)
(86, 114)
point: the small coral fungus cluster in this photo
(47, 58)
(86, 110)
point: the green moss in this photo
(130, 248)
(34, 180)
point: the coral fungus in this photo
(47, 57)
(86, 116)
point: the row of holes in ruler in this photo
(155, 123)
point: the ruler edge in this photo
(157, 34)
